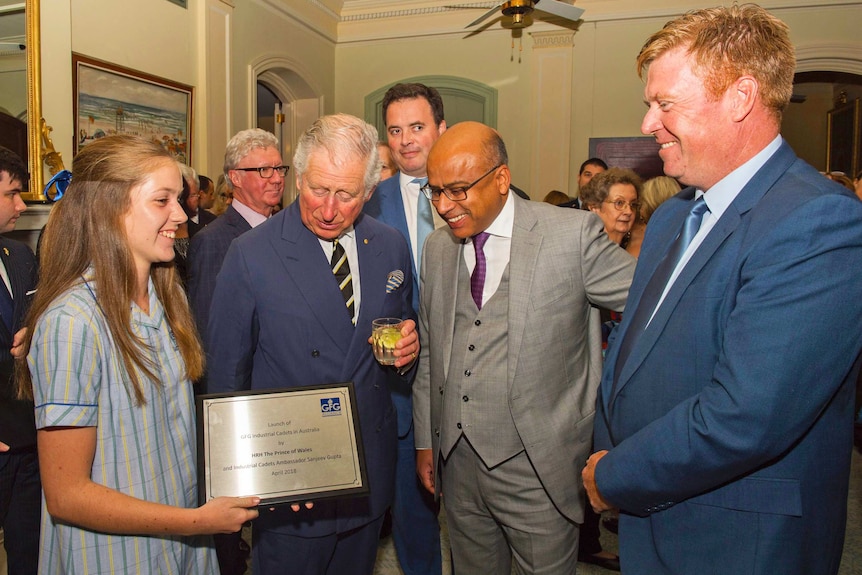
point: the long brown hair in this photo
(86, 229)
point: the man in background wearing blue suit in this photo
(414, 120)
(20, 488)
(283, 321)
(725, 414)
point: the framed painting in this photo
(110, 99)
(637, 153)
(844, 142)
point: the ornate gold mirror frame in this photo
(39, 145)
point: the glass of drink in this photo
(385, 333)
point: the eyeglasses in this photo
(454, 194)
(620, 205)
(266, 171)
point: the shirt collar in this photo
(722, 194)
(253, 218)
(505, 220)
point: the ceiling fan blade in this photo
(560, 9)
(486, 15)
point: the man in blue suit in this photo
(725, 413)
(414, 120)
(20, 488)
(255, 174)
(284, 321)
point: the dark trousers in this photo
(20, 510)
(350, 553)
(415, 530)
(589, 534)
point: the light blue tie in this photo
(655, 286)
(424, 220)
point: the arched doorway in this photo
(826, 76)
(283, 102)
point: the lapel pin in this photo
(365, 241)
(6, 251)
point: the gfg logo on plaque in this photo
(330, 406)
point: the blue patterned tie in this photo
(658, 281)
(424, 220)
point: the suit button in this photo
(477, 322)
(441, 390)
(459, 426)
(315, 353)
(437, 432)
(466, 399)
(467, 372)
(471, 347)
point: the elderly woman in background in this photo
(655, 191)
(613, 196)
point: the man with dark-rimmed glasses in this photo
(254, 172)
(504, 396)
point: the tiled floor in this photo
(851, 564)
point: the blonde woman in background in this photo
(655, 191)
(223, 197)
(556, 197)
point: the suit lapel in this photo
(523, 256)
(451, 253)
(373, 274)
(17, 288)
(302, 256)
(750, 195)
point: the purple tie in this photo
(477, 280)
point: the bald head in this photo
(469, 162)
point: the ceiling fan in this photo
(518, 9)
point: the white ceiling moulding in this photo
(830, 58)
(314, 15)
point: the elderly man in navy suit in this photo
(725, 415)
(255, 173)
(284, 320)
(20, 488)
(414, 120)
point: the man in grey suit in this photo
(504, 397)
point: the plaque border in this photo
(348, 386)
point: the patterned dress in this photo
(146, 451)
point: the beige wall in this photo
(153, 37)
(606, 96)
(261, 31)
(385, 44)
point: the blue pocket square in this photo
(394, 280)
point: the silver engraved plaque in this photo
(285, 445)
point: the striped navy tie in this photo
(341, 269)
